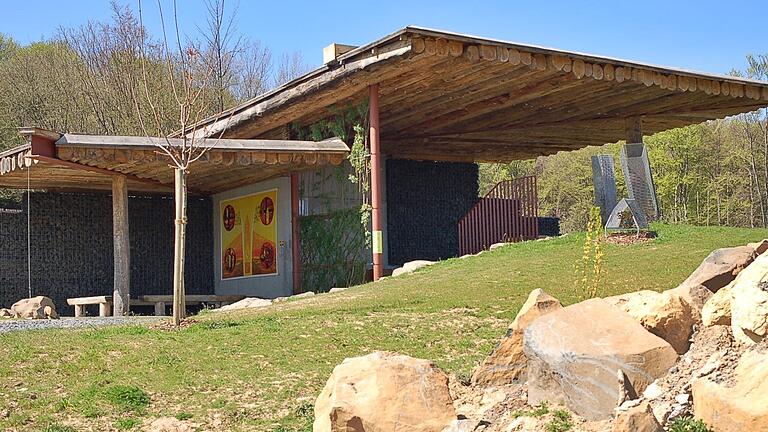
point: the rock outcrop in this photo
(574, 355)
(717, 310)
(749, 302)
(720, 267)
(39, 307)
(636, 418)
(507, 363)
(384, 391)
(667, 315)
(246, 303)
(6, 313)
(742, 406)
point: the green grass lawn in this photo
(261, 370)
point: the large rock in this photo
(507, 362)
(575, 353)
(6, 313)
(410, 267)
(737, 408)
(720, 267)
(638, 418)
(667, 315)
(384, 392)
(717, 310)
(39, 307)
(749, 302)
(246, 303)
(695, 295)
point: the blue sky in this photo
(704, 35)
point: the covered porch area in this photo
(437, 96)
(82, 189)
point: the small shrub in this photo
(590, 270)
(126, 423)
(539, 411)
(688, 424)
(127, 397)
(560, 422)
(183, 416)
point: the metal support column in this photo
(377, 237)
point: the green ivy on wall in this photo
(332, 250)
(333, 245)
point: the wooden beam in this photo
(122, 246)
(634, 128)
(79, 166)
(376, 228)
(295, 235)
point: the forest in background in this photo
(715, 173)
(89, 79)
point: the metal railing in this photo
(508, 213)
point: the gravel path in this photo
(8, 325)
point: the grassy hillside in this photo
(261, 370)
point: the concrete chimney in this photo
(334, 50)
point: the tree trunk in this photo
(122, 248)
(180, 198)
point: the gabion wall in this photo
(72, 247)
(425, 201)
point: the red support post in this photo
(295, 238)
(377, 236)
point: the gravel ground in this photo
(8, 325)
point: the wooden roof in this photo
(447, 96)
(88, 162)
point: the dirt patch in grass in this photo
(623, 239)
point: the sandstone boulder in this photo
(294, 297)
(464, 425)
(384, 392)
(749, 302)
(667, 315)
(39, 307)
(6, 313)
(507, 362)
(720, 267)
(717, 310)
(410, 267)
(638, 418)
(737, 408)
(246, 303)
(760, 246)
(497, 246)
(574, 355)
(694, 295)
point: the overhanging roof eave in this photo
(334, 145)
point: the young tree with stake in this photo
(189, 78)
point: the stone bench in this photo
(158, 301)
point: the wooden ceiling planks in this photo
(443, 83)
(87, 162)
